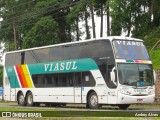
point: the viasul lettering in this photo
(130, 43)
(71, 65)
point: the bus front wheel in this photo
(21, 99)
(29, 99)
(93, 101)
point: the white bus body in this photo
(92, 71)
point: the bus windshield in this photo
(130, 50)
(135, 74)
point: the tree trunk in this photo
(129, 25)
(77, 30)
(101, 31)
(156, 12)
(93, 23)
(108, 22)
(87, 27)
(69, 33)
(14, 33)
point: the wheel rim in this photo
(94, 100)
(30, 99)
(21, 99)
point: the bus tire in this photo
(21, 99)
(29, 99)
(92, 101)
(123, 106)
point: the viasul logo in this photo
(71, 65)
(131, 43)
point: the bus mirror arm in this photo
(113, 76)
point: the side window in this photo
(68, 54)
(42, 55)
(19, 58)
(102, 68)
(84, 47)
(30, 57)
(56, 53)
(77, 79)
(56, 79)
(37, 56)
(88, 79)
(62, 80)
(69, 79)
(10, 59)
(35, 79)
(49, 79)
(14, 59)
(53, 80)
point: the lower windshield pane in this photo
(135, 74)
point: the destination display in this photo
(130, 50)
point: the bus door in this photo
(112, 85)
(78, 87)
(6, 92)
(9, 89)
(112, 96)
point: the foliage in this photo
(150, 40)
(155, 57)
(46, 29)
(152, 37)
(44, 22)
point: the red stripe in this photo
(19, 75)
(23, 77)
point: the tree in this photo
(108, 20)
(156, 12)
(127, 15)
(93, 22)
(44, 32)
(88, 35)
(100, 9)
(77, 13)
(14, 13)
(132, 17)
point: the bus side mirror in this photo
(113, 76)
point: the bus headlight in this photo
(125, 90)
(151, 91)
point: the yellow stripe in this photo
(27, 76)
(144, 61)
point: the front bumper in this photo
(127, 99)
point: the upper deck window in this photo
(130, 50)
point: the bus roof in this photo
(110, 38)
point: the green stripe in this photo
(11, 74)
(63, 66)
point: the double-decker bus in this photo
(106, 71)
